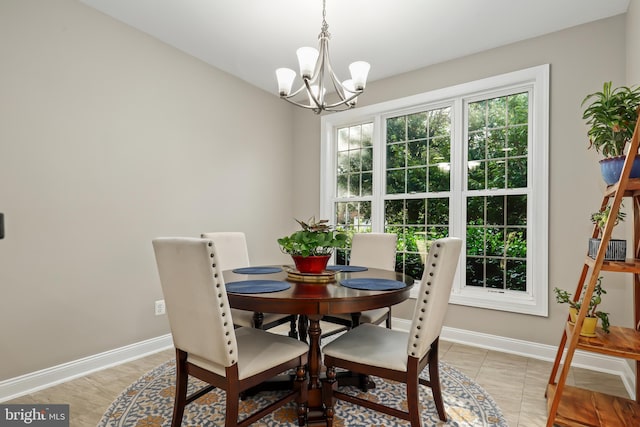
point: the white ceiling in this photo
(251, 38)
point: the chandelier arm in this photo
(337, 85)
(291, 95)
(312, 97)
(345, 102)
(308, 107)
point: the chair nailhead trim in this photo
(433, 268)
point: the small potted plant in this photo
(593, 314)
(617, 248)
(612, 115)
(312, 246)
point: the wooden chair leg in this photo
(434, 379)
(181, 388)
(413, 401)
(293, 333)
(258, 318)
(355, 319)
(233, 403)
(388, 323)
(329, 385)
(301, 386)
(303, 327)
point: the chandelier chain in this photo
(324, 31)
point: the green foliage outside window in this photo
(418, 163)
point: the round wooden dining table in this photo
(314, 300)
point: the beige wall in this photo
(581, 59)
(633, 43)
(109, 138)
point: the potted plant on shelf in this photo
(617, 248)
(593, 314)
(612, 115)
(312, 246)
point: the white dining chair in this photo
(372, 250)
(397, 355)
(208, 347)
(233, 253)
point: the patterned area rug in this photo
(149, 403)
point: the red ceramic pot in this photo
(311, 264)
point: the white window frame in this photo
(536, 81)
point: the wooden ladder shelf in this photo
(573, 406)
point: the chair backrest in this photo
(433, 298)
(196, 299)
(375, 250)
(231, 247)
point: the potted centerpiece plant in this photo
(593, 314)
(617, 248)
(312, 246)
(612, 115)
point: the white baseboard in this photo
(581, 359)
(34, 381)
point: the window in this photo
(468, 161)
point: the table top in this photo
(318, 298)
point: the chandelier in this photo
(318, 77)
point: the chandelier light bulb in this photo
(359, 72)
(307, 58)
(285, 78)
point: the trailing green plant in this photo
(315, 238)
(564, 297)
(600, 218)
(612, 115)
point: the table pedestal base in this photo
(315, 402)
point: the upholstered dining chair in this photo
(233, 253)
(397, 355)
(373, 250)
(207, 345)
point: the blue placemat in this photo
(257, 286)
(346, 268)
(372, 284)
(257, 270)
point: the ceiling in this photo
(251, 38)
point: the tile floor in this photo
(516, 383)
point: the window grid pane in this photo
(351, 217)
(417, 222)
(497, 156)
(418, 161)
(419, 152)
(354, 161)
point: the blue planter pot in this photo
(611, 168)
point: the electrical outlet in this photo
(160, 307)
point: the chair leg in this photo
(355, 319)
(413, 401)
(181, 388)
(434, 379)
(258, 318)
(233, 403)
(303, 326)
(329, 385)
(301, 387)
(293, 333)
(389, 319)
